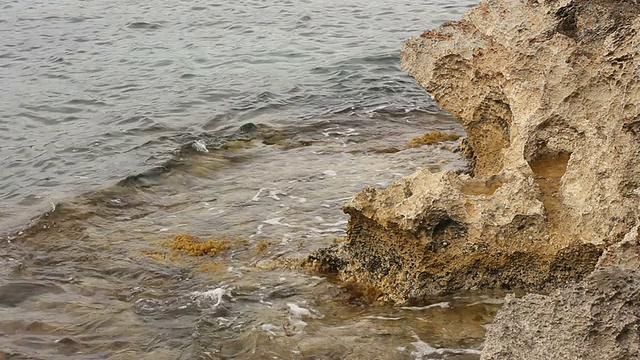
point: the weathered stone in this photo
(548, 92)
(599, 318)
(625, 254)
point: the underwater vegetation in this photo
(432, 138)
(191, 245)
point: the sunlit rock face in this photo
(549, 94)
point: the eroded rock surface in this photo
(549, 94)
(598, 318)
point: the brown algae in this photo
(432, 138)
(262, 245)
(193, 246)
(211, 267)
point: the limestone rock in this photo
(548, 92)
(599, 318)
(625, 254)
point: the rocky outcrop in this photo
(599, 318)
(549, 93)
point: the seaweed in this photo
(432, 138)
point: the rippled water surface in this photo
(250, 123)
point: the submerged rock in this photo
(548, 93)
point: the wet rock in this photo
(547, 92)
(282, 292)
(13, 294)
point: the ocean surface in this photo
(250, 123)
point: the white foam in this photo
(298, 311)
(274, 195)
(442, 305)
(326, 132)
(256, 197)
(297, 323)
(212, 295)
(224, 321)
(276, 221)
(270, 328)
(200, 146)
(301, 200)
(423, 349)
(337, 223)
(286, 238)
(324, 231)
(275, 192)
(258, 231)
(219, 212)
(389, 318)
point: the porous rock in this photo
(549, 95)
(598, 318)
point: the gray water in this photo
(105, 114)
(95, 91)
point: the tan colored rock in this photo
(549, 94)
(625, 254)
(599, 318)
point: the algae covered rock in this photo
(548, 93)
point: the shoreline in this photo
(546, 92)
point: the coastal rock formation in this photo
(549, 94)
(598, 318)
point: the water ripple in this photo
(95, 91)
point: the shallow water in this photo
(94, 276)
(93, 92)
(251, 122)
